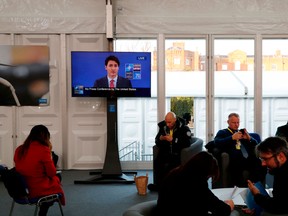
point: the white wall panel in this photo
(50, 116)
(7, 136)
(87, 117)
(7, 124)
(24, 118)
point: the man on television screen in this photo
(112, 80)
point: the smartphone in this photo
(242, 130)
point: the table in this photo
(225, 193)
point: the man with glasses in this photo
(273, 153)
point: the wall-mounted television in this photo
(92, 72)
(24, 75)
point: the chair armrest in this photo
(186, 153)
(155, 151)
(224, 168)
(141, 209)
(195, 147)
(256, 136)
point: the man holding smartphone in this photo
(243, 163)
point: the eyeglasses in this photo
(266, 159)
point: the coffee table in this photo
(225, 193)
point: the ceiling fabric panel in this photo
(52, 16)
(201, 16)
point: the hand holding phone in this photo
(242, 130)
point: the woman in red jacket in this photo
(33, 160)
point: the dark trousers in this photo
(44, 209)
(163, 164)
(45, 206)
(243, 169)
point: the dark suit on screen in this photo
(121, 83)
(282, 131)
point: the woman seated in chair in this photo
(33, 160)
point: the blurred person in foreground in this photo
(33, 160)
(184, 191)
(273, 153)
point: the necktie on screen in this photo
(112, 84)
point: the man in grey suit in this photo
(112, 80)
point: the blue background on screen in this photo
(87, 66)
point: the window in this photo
(185, 83)
(233, 81)
(274, 82)
(137, 124)
(185, 80)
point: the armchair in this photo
(186, 153)
(223, 161)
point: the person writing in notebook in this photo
(273, 152)
(243, 163)
(112, 79)
(172, 137)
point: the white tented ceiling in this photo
(145, 17)
(201, 16)
(53, 16)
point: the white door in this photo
(16, 122)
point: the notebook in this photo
(248, 198)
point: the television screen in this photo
(110, 74)
(24, 75)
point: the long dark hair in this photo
(39, 133)
(204, 164)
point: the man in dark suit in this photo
(243, 163)
(282, 131)
(112, 80)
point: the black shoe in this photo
(152, 187)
